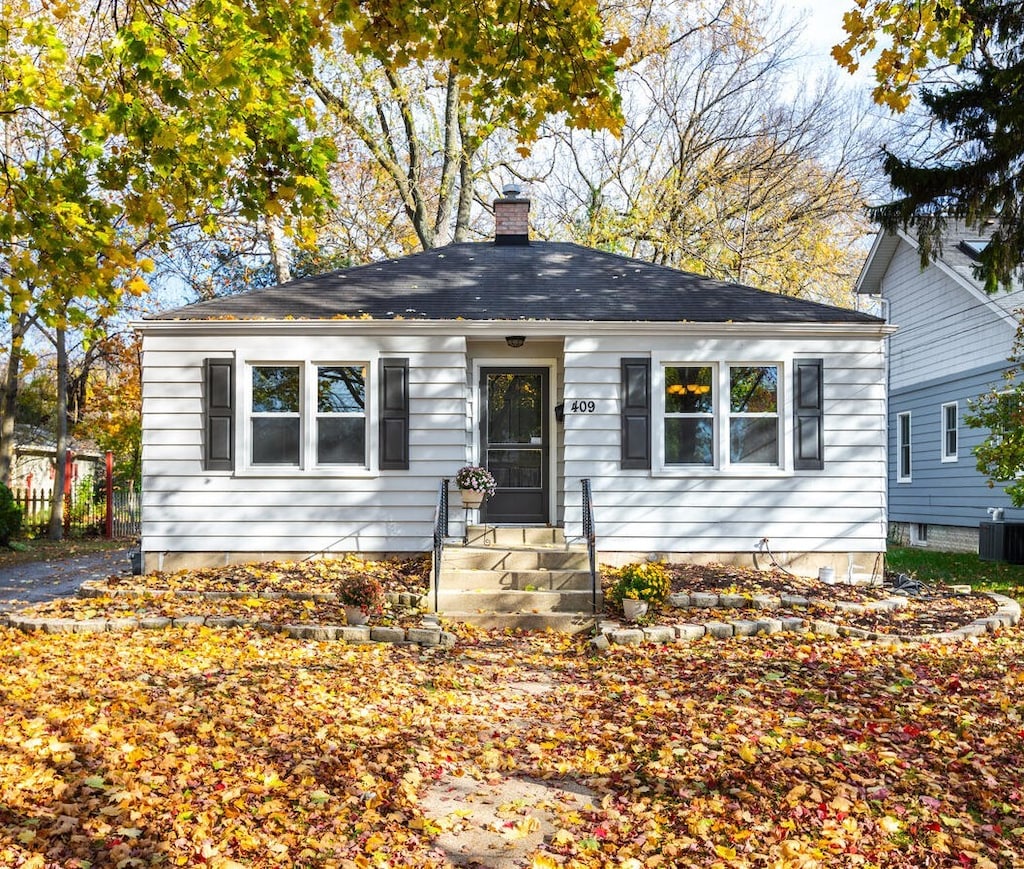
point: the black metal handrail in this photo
(590, 535)
(440, 533)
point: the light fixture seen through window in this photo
(515, 340)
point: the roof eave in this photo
(883, 249)
(496, 329)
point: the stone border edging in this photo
(425, 635)
(95, 588)
(351, 634)
(710, 600)
(1007, 614)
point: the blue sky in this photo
(824, 23)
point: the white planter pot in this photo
(354, 615)
(634, 609)
(471, 498)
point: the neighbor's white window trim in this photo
(944, 432)
(902, 444)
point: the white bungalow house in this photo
(951, 345)
(714, 421)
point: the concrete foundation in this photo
(862, 564)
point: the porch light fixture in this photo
(515, 340)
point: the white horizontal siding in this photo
(839, 509)
(186, 509)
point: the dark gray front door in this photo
(514, 443)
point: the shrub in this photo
(646, 580)
(10, 516)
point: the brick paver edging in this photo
(1007, 614)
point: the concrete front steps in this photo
(517, 577)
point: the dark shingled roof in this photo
(540, 281)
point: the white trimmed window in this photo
(276, 414)
(903, 451)
(341, 415)
(306, 415)
(720, 415)
(754, 414)
(690, 414)
(950, 423)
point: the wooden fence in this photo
(86, 514)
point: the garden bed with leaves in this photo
(312, 576)
(935, 609)
(270, 593)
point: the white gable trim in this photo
(884, 248)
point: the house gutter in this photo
(492, 329)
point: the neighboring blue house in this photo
(951, 344)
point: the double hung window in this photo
(754, 414)
(903, 448)
(689, 415)
(341, 414)
(276, 414)
(950, 423)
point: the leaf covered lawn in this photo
(229, 748)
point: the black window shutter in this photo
(218, 415)
(636, 413)
(809, 415)
(394, 414)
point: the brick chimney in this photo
(511, 217)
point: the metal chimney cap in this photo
(511, 191)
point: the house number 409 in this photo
(582, 407)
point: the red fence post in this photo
(69, 463)
(108, 530)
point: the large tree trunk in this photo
(450, 164)
(278, 249)
(57, 513)
(470, 144)
(9, 400)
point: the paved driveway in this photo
(46, 580)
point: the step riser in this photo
(489, 535)
(513, 601)
(561, 623)
(499, 559)
(517, 580)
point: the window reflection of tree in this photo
(341, 389)
(754, 389)
(513, 408)
(275, 389)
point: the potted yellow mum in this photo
(638, 586)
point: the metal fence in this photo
(86, 514)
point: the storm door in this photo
(514, 443)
